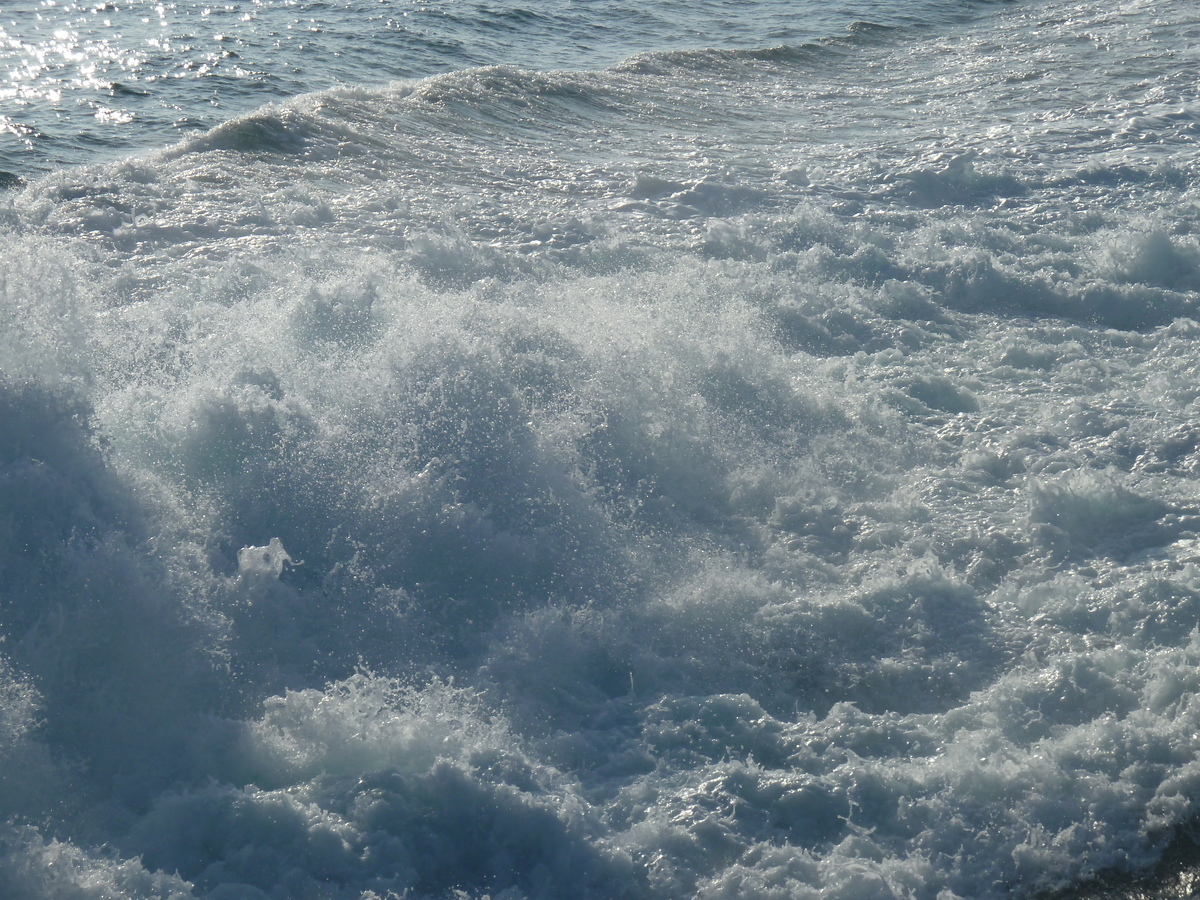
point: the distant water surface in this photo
(98, 79)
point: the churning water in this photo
(577, 450)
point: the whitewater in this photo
(463, 450)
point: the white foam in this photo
(488, 509)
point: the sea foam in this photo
(707, 476)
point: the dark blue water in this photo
(88, 81)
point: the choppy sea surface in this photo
(595, 450)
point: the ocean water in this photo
(593, 450)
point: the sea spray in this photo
(762, 470)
